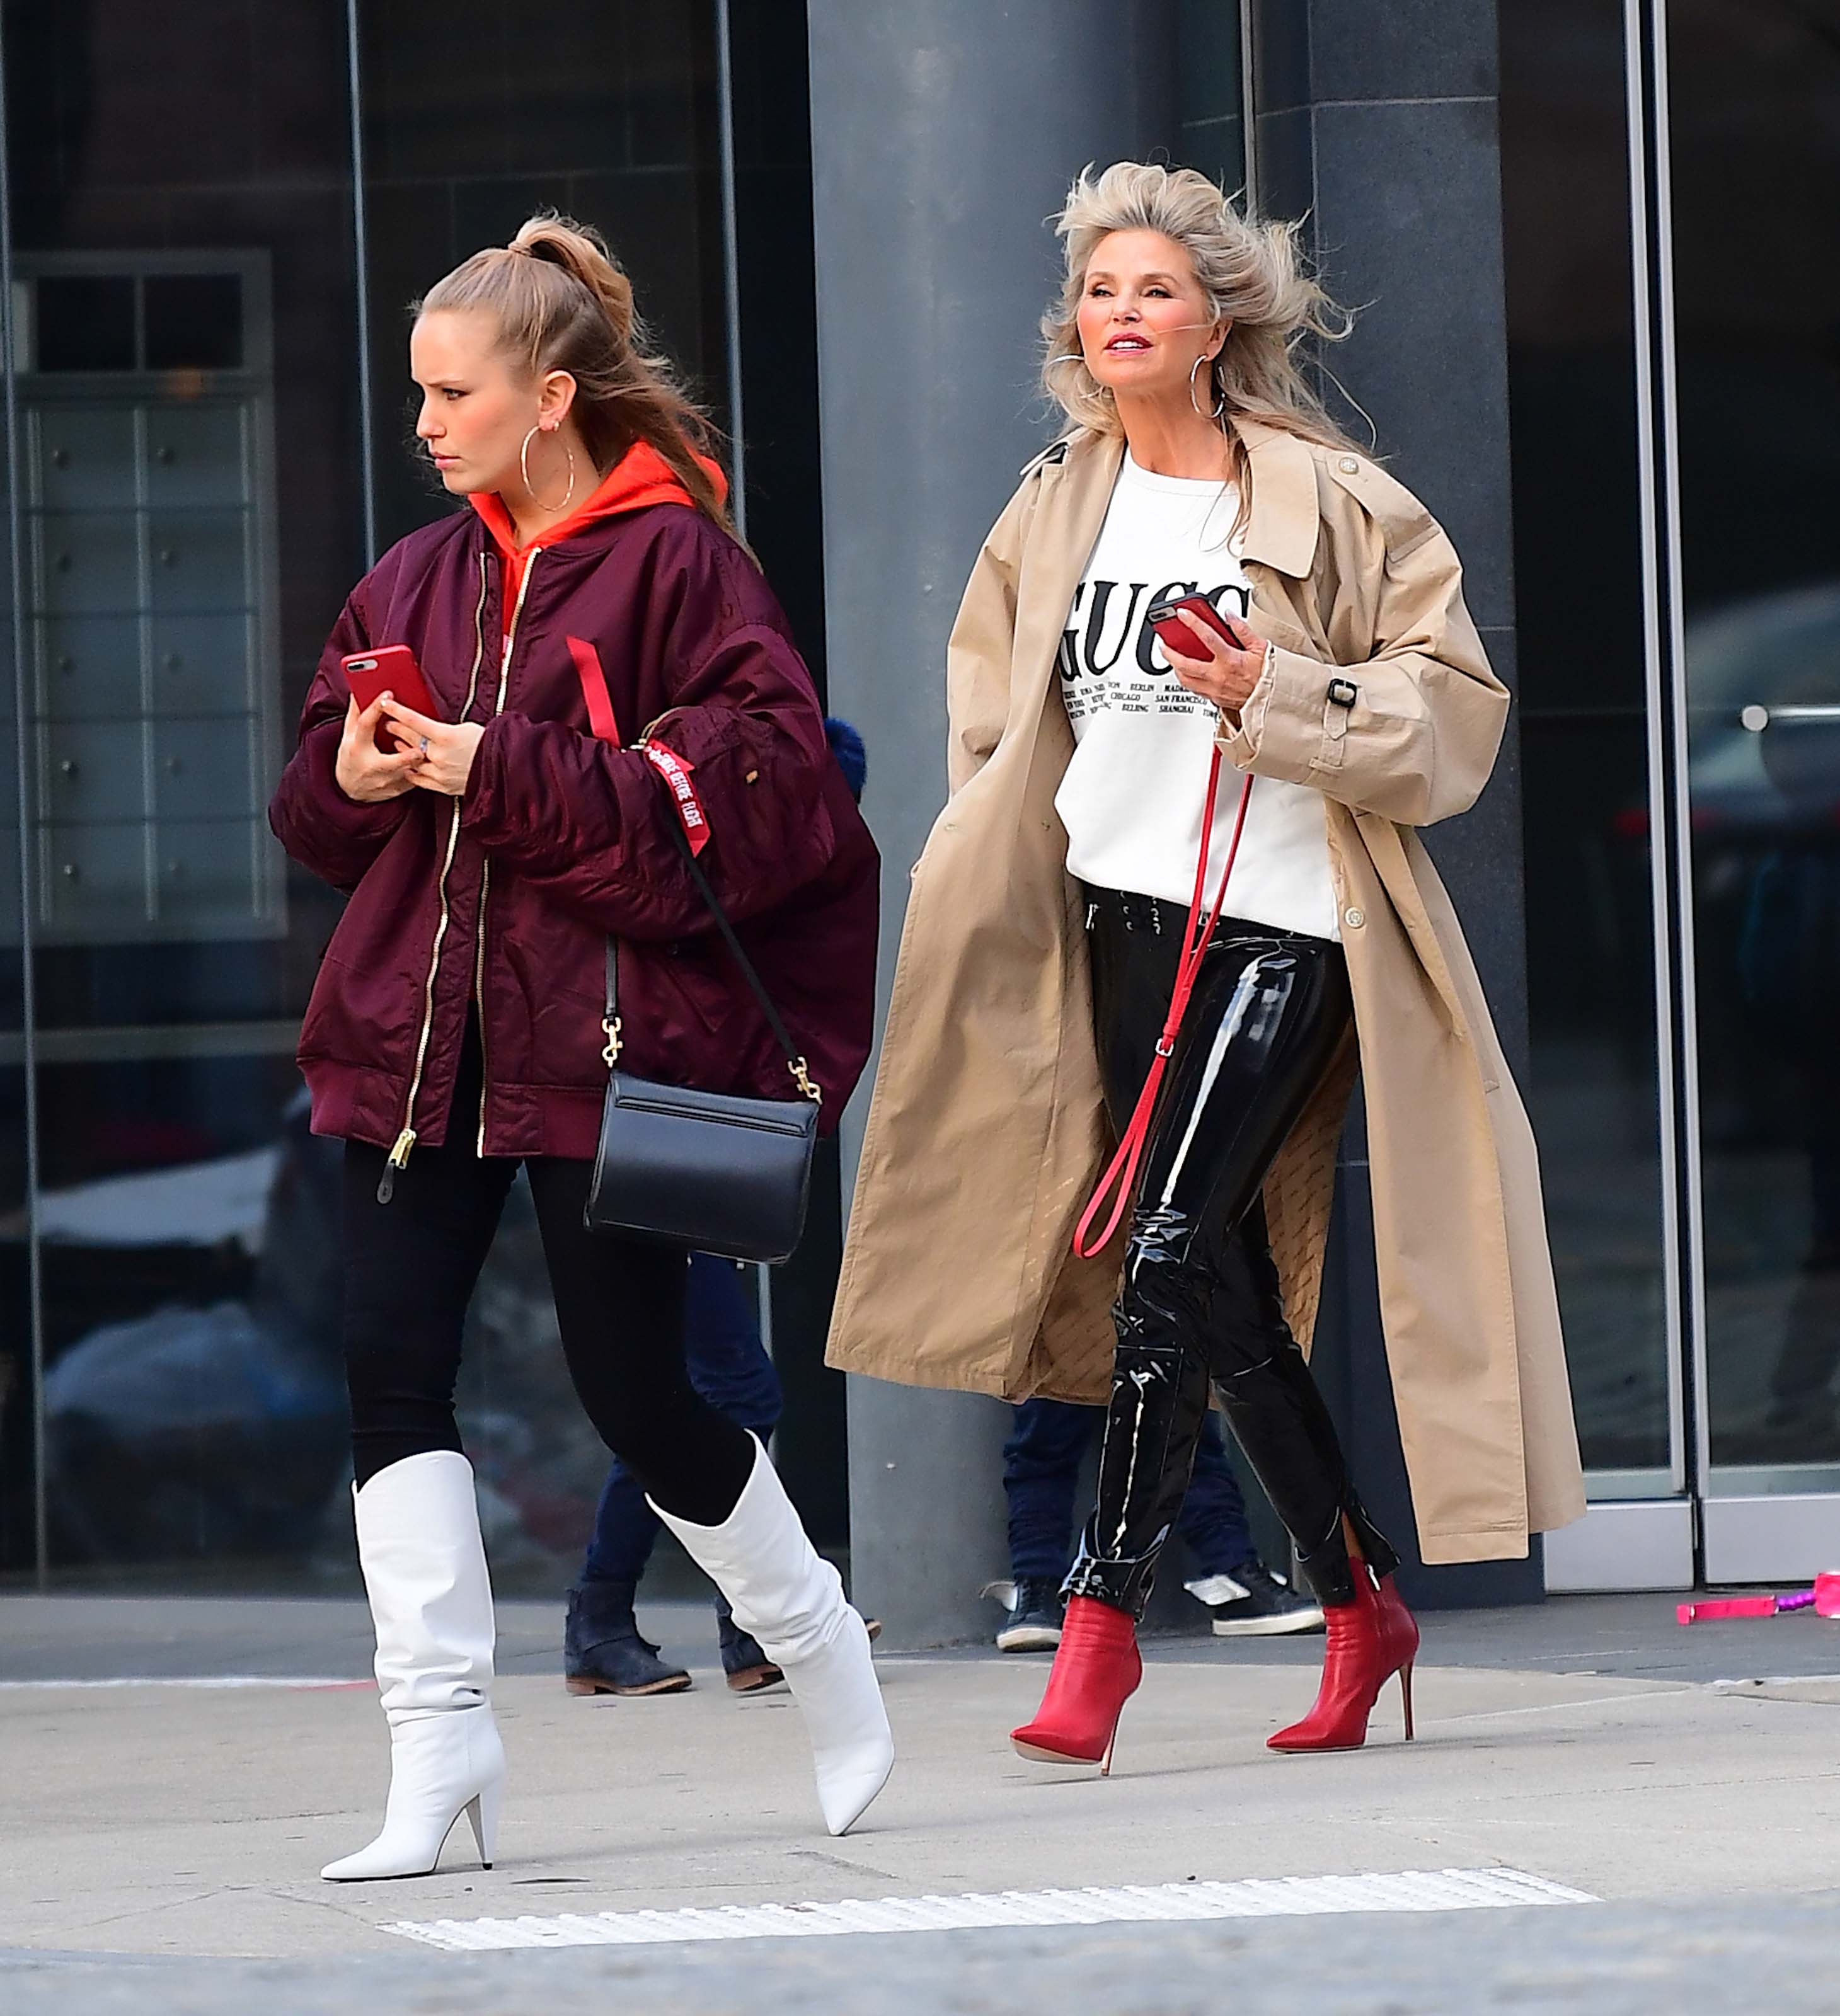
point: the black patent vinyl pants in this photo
(1199, 1302)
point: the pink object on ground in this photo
(1704, 1612)
(1826, 1593)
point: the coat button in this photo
(1354, 917)
(1349, 466)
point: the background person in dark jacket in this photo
(606, 659)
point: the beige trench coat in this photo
(988, 1131)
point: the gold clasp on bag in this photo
(801, 1072)
(610, 1056)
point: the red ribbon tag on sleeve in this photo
(676, 773)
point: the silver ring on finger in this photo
(424, 745)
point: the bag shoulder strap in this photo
(795, 1064)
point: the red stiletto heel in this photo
(1097, 1668)
(1369, 1640)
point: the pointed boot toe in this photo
(788, 1597)
(441, 1765)
(852, 1746)
(846, 1792)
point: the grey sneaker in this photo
(1254, 1603)
(1033, 1623)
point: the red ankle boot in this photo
(1369, 1640)
(1097, 1670)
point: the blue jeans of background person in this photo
(1041, 1472)
(730, 1367)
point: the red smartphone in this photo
(391, 668)
(1176, 634)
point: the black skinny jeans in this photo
(411, 1266)
(1200, 1299)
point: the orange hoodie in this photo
(642, 476)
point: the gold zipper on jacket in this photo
(405, 1141)
(485, 880)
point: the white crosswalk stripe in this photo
(1287, 1896)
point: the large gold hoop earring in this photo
(524, 464)
(1220, 396)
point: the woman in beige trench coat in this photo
(1352, 691)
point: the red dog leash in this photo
(1123, 1175)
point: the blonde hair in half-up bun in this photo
(563, 303)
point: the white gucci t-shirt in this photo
(1131, 799)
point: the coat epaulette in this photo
(1404, 522)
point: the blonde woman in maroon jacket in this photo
(607, 661)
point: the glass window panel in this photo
(84, 324)
(182, 220)
(193, 320)
(470, 125)
(19, 1469)
(1592, 1088)
(1755, 143)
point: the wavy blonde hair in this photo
(563, 303)
(1252, 272)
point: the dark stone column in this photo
(1380, 123)
(943, 132)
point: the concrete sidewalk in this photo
(1591, 1743)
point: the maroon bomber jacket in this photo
(507, 895)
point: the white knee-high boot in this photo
(792, 1600)
(424, 1571)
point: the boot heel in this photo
(1111, 1744)
(482, 1812)
(1406, 1695)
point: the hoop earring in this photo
(524, 464)
(1220, 396)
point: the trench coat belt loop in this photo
(1123, 1175)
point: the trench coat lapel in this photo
(1076, 493)
(1284, 524)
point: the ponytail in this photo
(563, 303)
(581, 253)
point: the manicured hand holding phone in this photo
(1221, 657)
(410, 748)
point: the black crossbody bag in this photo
(710, 1171)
